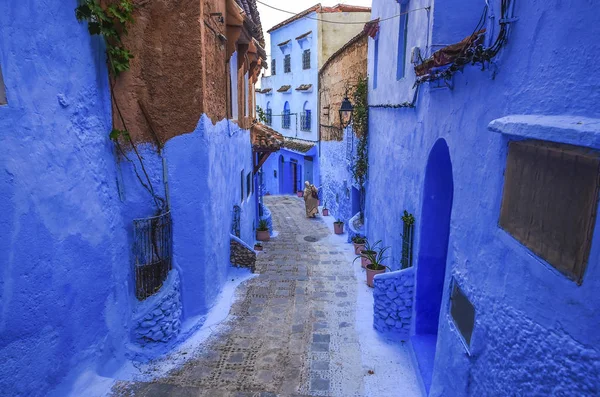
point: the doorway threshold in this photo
(423, 347)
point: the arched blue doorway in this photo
(438, 192)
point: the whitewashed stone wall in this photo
(393, 299)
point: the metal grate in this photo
(152, 253)
(305, 121)
(408, 235)
(349, 145)
(273, 67)
(285, 120)
(236, 221)
(306, 59)
(287, 64)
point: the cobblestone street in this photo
(290, 331)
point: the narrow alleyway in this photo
(290, 331)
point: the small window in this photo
(305, 120)
(248, 184)
(3, 100)
(273, 67)
(549, 202)
(402, 40)
(462, 312)
(242, 186)
(306, 59)
(287, 64)
(375, 61)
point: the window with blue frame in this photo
(285, 120)
(3, 100)
(273, 67)
(375, 61)
(306, 59)
(402, 40)
(305, 120)
(287, 64)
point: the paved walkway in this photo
(290, 331)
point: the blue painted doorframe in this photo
(431, 268)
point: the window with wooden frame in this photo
(549, 202)
(3, 100)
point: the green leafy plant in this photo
(408, 219)
(375, 254)
(358, 239)
(263, 225)
(258, 244)
(262, 115)
(339, 221)
(361, 129)
(110, 22)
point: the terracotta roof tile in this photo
(284, 43)
(251, 10)
(284, 88)
(298, 145)
(304, 35)
(304, 87)
(264, 91)
(265, 139)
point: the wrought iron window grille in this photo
(287, 64)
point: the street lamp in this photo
(346, 112)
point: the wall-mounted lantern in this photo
(346, 111)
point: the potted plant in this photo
(376, 265)
(325, 209)
(359, 243)
(262, 231)
(258, 247)
(338, 227)
(366, 253)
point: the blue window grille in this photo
(306, 59)
(273, 67)
(305, 121)
(285, 120)
(376, 61)
(287, 64)
(269, 116)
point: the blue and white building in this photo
(289, 96)
(499, 165)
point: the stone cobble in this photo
(290, 331)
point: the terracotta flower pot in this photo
(258, 248)
(300, 193)
(358, 248)
(263, 235)
(325, 212)
(365, 261)
(371, 273)
(338, 228)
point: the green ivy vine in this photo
(111, 23)
(360, 126)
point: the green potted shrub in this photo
(375, 265)
(338, 227)
(359, 243)
(366, 253)
(262, 231)
(258, 247)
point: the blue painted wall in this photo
(67, 206)
(278, 176)
(535, 331)
(202, 166)
(63, 243)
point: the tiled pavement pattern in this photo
(290, 331)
